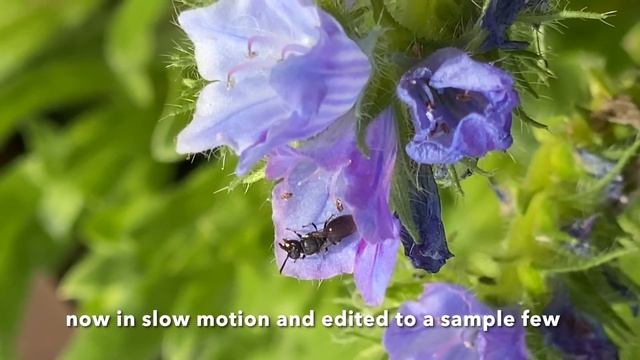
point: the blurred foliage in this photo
(93, 192)
(93, 93)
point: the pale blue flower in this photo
(279, 71)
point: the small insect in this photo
(333, 232)
(339, 205)
(286, 196)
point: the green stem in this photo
(565, 14)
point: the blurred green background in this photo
(93, 196)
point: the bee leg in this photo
(329, 219)
(295, 232)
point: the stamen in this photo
(293, 48)
(425, 88)
(248, 65)
(258, 38)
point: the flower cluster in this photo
(281, 74)
(284, 84)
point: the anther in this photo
(231, 82)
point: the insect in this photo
(333, 232)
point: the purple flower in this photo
(498, 18)
(460, 107)
(581, 230)
(329, 176)
(599, 167)
(439, 342)
(577, 335)
(432, 253)
(279, 72)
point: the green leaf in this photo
(31, 28)
(569, 264)
(537, 19)
(520, 113)
(131, 45)
(64, 81)
(631, 43)
(20, 199)
(403, 179)
(432, 19)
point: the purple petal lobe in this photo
(373, 269)
(369, 181)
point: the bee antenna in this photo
(284, 263)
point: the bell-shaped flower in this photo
(439, 342)
(279, 71)
(328, 177)
(460, 107)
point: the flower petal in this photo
(328, 176)
(307, 195)
(475, 137)
(374, 264)
(369, 181)
(284, 73)
(453, 68)
(428, 152)
(221, 32)
(237, 117)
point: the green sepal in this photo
(404, 182)
(537, 19)
(522, 115)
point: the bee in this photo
(332, 233)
